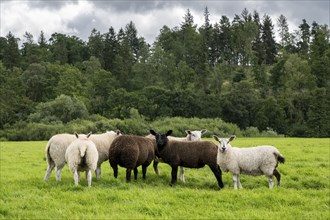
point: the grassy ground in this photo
(304, 193)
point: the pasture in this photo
(304, 193)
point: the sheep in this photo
(187, 154)
(82, 155)
(130, 152)
(57, 145)
(191, 136)
(260, 160)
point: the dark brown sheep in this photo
(130, 152)
(187, 154)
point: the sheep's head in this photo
(195, 135)
(114, 133)
(161, 139)
(223, 143)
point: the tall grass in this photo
(304, 193)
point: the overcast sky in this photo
(79, 17)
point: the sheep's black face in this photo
(161, 140)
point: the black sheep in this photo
(130, 152)
(187, 154)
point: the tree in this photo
(42, 40)
(63, 108)
(31, 52)
(190, 40)
(206, 32)
(132, 40)
(244, 32)
(11, 55)
(123, 62)
(14, 105)
(58, 48)
(319, 114)
(38, 82)
(238, 104)
(110, 49)
(96, 45)
(71, 82)
(268, 40)
(303, 44)
(257, 44)
(320, 55)
(283, 30)
(269, 114)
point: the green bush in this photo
(251, 132)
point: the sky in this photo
(79, 17)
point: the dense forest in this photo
(234, 70)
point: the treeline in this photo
(233, 70)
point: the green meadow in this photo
(304, 193)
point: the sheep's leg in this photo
(278, 176)
(49, 170)
(128, 174)
(174, 175)
(218, 174)
(58, 172)
(98, 172)
(239, 182)
(270, 181)
(76, 177)
(135, 173)
(144, 171)
(235, 177)
(115, 171)
(156, 166)
(89, 177)
(182, 174)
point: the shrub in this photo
(251, 132)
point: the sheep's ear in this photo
(216, 138)
(89, 134)
(188, 131)
(152, 132)
(76, 134)
(203, 131)
(231, 138)
(168, 133)
(118, 132)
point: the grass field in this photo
(304, 194)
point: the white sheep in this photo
(255, 161)
(82, 155)
(191, 136)
(57, 145)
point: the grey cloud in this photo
(50, 5)
(295, 11)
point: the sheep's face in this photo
(223, 145)
(195, 135)
(161, 139)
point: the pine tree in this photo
(110, 49)
(283, 30)
(303, 44)
(268, 40)
(257, 44)
(132, 40)
(42, 40)
(96, 45)
(11, 56)
(320, 55)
